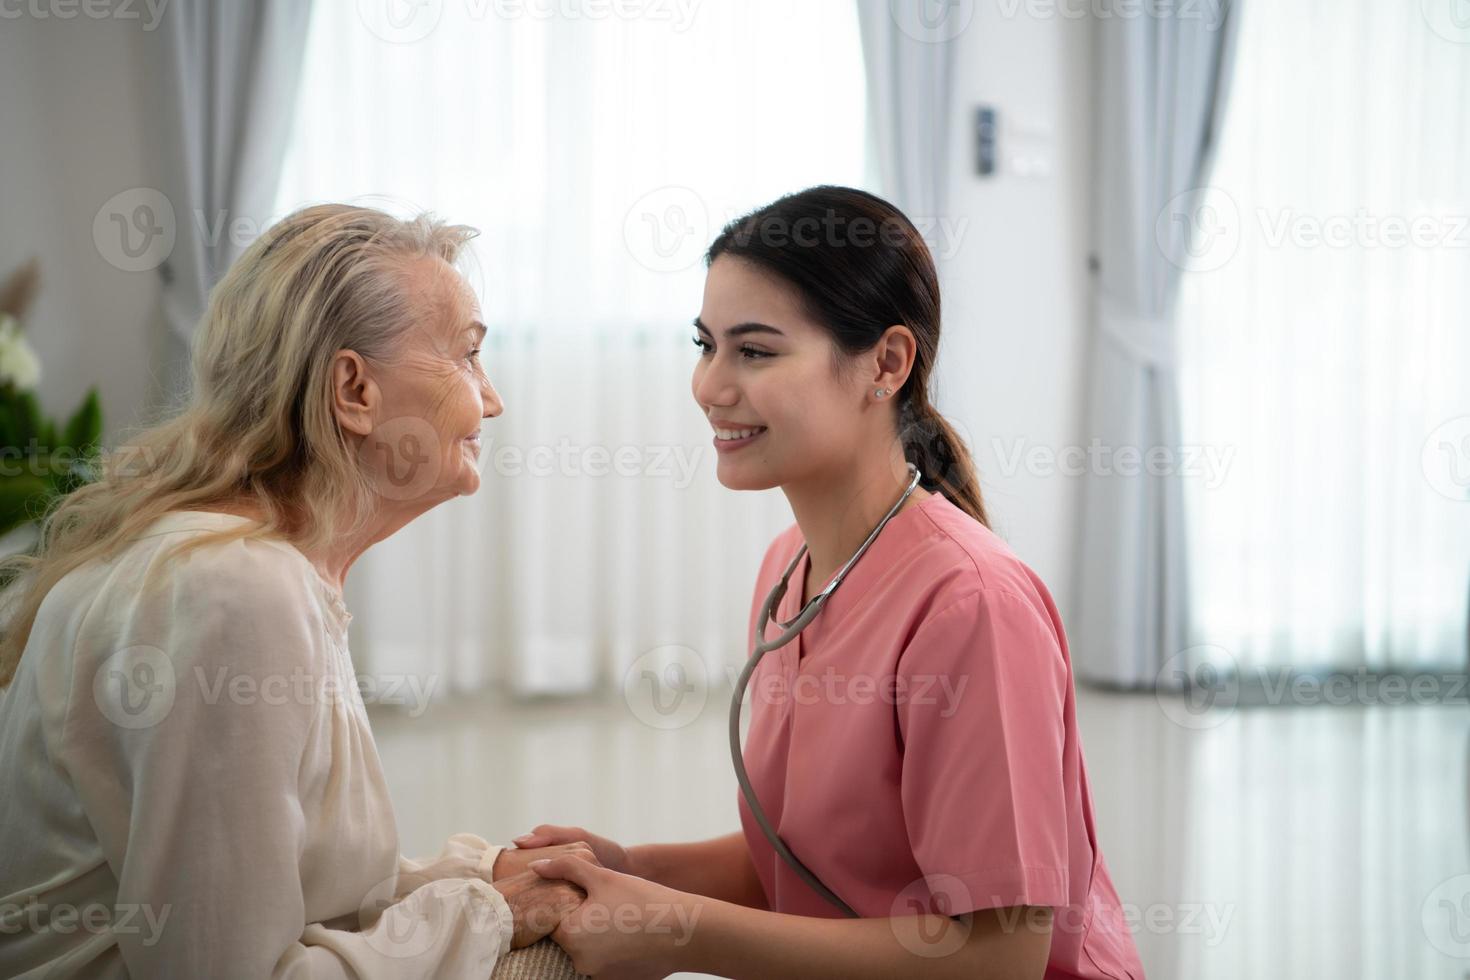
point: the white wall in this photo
(71, 136)
(1015, 290)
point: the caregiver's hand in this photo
(514, 861)
(538, 903)
(627, 928)
(609, 854)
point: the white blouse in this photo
(189, 786)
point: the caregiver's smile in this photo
(730, 436)
(766, 382)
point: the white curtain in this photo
(1161, 83)
(1326, 345)
(223, 78)
(598, 155)
(908, 54)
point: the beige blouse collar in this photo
(338, 616)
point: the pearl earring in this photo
(881, 392)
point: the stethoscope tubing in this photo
(789, 632)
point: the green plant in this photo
(39, 461)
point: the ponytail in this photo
(943, 459)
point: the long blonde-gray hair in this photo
(259, 425)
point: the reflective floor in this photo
(1261, 842)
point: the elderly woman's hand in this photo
(537, 904)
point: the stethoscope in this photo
(789, 632)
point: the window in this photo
(598, 156)
(1326, 346)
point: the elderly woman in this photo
(188, 783)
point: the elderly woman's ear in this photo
(355, 395)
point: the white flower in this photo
(19, 364)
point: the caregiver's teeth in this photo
(738, 433)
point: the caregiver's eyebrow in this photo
(740, 329)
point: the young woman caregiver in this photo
(914, 747)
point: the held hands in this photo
(626, 927)
(513, 861)
(548, 841)
(543, 903)
(538, 904)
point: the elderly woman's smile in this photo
(432, 391)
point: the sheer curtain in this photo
(1325, 330)
(598, 155)
(909, 60)
(216, 74)
(1160, 90)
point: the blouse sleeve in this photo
(464, 856)
(216, 832)
(981, 718)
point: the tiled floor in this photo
(1295, 842)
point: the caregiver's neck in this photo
(837, 509)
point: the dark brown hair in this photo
(860, 267)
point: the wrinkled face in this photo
(772, 382)
(433, 394)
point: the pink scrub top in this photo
(916, 746)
